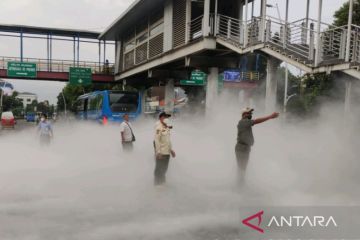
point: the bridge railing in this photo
(293, 37)
(355, 44)
(60, 65)
(230, 29)
(253, 31)
(333, 43)
(239, 33)
(195, 28)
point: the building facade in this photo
(164, 41)
(27, 98)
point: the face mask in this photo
(168, 123)
(42, 119)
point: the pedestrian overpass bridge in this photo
(58, 70)
(297, 43)
(50, 68)
(167, 39)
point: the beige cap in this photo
(246, 110)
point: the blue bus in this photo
(108, 105)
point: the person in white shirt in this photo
(127, 134)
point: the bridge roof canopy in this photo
(49, 31)
(136, 11)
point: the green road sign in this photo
(198, 78)
(21, 69)
(80, 76)
(192, 82)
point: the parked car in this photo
(8, 120)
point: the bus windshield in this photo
(123, 102)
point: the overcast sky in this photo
(95, 15)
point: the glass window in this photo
(159, 28)
(123, 102)
(142, 37)
(129, 45)
(95, 103)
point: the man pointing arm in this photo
(245, 139)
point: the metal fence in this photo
(60, 65)
(293, 38)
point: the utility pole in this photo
(62, 92)
(1, 100)
(286, 86)
(348, 36)
(318, 40)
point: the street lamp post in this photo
(1, 101)
(286, 100)
(286, 97)
(348, 36)
(62, 92)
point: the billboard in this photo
(235, 76)
(232, 75)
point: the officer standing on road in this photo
(163, 148)
(45, 130)
(127, 134)
(245, 139)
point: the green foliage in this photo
(309, 89)
(43, 107)
(293, 85)
(313, 88)
(11, 103)
(295, 105)
(341, 15)
(31, 107)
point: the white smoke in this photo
(84, 187)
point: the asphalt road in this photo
(83, 186)
(21, 125)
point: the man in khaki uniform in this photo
(245, 139)
(163, 148)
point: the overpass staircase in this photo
(297, 43)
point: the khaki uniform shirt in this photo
(245, 135)
(162, 140)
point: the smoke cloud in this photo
(84, 187)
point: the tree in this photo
(31, 107)
(318, 88)
(11, 103)
(296, 105)
(69, 95)
(43, 107)
(341, 15)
